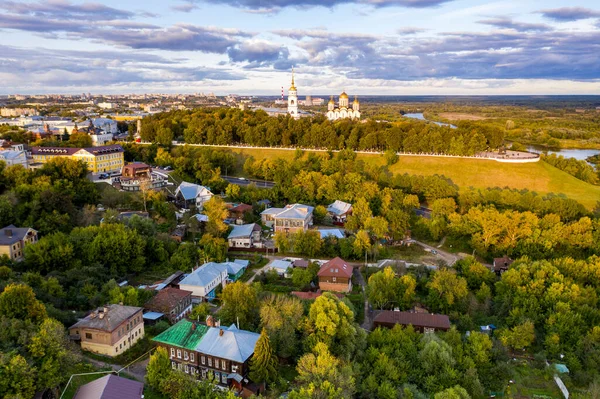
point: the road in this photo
(241, 181)
(448, 257)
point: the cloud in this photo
(63, 9)
(276, 5)
(507, 23)
(410, 30)
(186, 7)
(568, 14)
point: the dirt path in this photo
(136, 370)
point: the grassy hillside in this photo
(539, 176)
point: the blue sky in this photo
(401, 47)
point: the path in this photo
(367, 322)
(136, 370)
(448, 257)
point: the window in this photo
(185, 355)
(116, 350)
(88, 335)
(187, 368)
(178, 354)
(209, 362)
(223, 365)
(203, 373)
(217, 377)
(224, 378)
(172, 352)
(234, 368)
(173, 365)
(192, 356)
(333, 279)
(203, 360)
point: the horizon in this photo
(366, 47)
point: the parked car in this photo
(104, 176)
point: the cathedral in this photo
(343, 111)
(293, 99)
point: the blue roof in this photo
(233, 344)
(243, 262)
(204, 275)
(243, 230)
(153, 315)
(280, 264)
(190, 191)
(337, 233)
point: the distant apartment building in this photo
(14, 239)
(99, 159)
(109, 330)
(106, 105)
(14, 112)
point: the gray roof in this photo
(201, 217)
(10, 154)
(190, 191)
(11, 234)
(111, 320)
(203, 275)
(339, 207)
(233, 344)
(280, 264)
(243, 230)
(235, 266)
(294, 211)
(111, 387)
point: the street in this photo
(242, 181)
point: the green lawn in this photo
(538, 176)
(530, 383)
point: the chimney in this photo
(193, 326)
(101, 315)
(220, 333)
(210, 321)
(105, 310)
(93, 315)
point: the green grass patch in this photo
(530, 382)
(137, 350)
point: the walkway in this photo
(137, 370)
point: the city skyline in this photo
(387, 47)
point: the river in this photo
(580, 154)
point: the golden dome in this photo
(331, 100)
(293, 86)
(355, 100)
(343, 95)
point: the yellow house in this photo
(13, 240)
(109, 330)
(109, 158)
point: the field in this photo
(456, 116)
(539, 177)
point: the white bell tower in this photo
(293, 99)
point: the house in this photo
(335, 275)
(108, 158)
(178, 233)
(14, 157)
(290, 219)
(245, 236)
(198, 349)
(172, 302)
(302, 263)
(502, 264)
(238, 211)
(336, 233)
(203, 281)
(111, 387)
(339, 211)
(109, 330)
(422, 322)
(190, 194)
(13, 240)
(138, 176)
(280, 266)
(236, 269)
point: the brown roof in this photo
(301, 263)
(109, 320)
(430, 320)
(241, 208)
(502, 263)
(312, 295)
(107, 149)
(166, 299)
(336, 267)
(111, 387)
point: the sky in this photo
(385, 47)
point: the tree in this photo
(281, 316)
(406, 291)
(331, 321)
(361, 244)
(200, 312)
(282, 241)
(48, 349)
(159, 367)
(391, 157)
(447, 289)
(519, 337)
(382, 289)
(263, 363)
(232, 192)
(322, 375)
(18, 301)
(307, 242)
(240, 302)
(217, 212)
(456, 392)
(80, 140)
(17, 378)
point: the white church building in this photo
(343, 111)
(293, 99)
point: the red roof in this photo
(166, 299)
(336, 267)
(430, 320)
(241, 208)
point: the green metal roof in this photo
(183, 335)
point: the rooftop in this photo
(339, 208)
(185, 334)
(228, 343)
(430, 320)
(203, 275)
(191, 191)
(336, 267)
(111, 387)
(166, 299)
(107, 320)
(11, 234)
(337, 233)
(244, 230)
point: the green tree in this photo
(240, 302)
(264, 362)
(519, 337)
(361, 244)
(447, 290)
(382, 289)
(18, 301)
(217, 212)
(159, 368)
(281, 316)
(456, 392)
